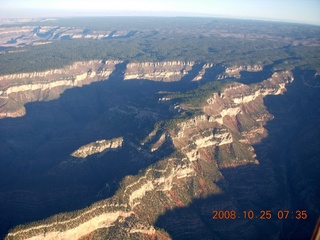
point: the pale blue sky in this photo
(304, 11)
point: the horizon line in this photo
(166, 14)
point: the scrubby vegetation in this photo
(228, 42)
(195, 98)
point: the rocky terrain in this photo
(18, 89)
(31, 35)
(100, 146)
(235, 70)
(145, 128)
(214, 152)
(46, 31)
(21, 88)
(159, 71)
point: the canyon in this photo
(31, 35)
(18, 89)
(145, 127)
(210, 160)
(21, 88)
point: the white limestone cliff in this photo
(202, 71)
(70, 76)
(195, 137)
(100, 146)
(158, 71)
(20, 88)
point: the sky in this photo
(300, 11)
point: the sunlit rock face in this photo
(158, 71)
(141, 128)
(100, 146)
(202, 71)
(207, 146)
(18, 89)
(235, 70)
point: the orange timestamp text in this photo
(262, 214)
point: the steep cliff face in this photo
(234, 71)
(18, 89)
(21, 88)
(206, 145)
(235, 115)
(100, 146)
(158, 71)
(202, 71)
(76, 70)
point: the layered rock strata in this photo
(202, 71)
(249, 68)
(100, 146)
(158, 71)
(18, 89)
(219, 138)
(234, 71)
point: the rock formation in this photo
(234, 71)
(18, 89)
(202, 71)
(218, 139)
(31, 35)
(100, 146)
(158, 71)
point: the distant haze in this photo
(300, 11)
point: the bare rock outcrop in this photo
(206, 143)
(158, 71)
(234, 71)
(20, 88)
(100, 146)
(30, 35)
(202, 71)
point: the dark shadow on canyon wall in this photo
(265, 73)
(39, 178)
(286, 178)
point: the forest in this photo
(227, 42)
